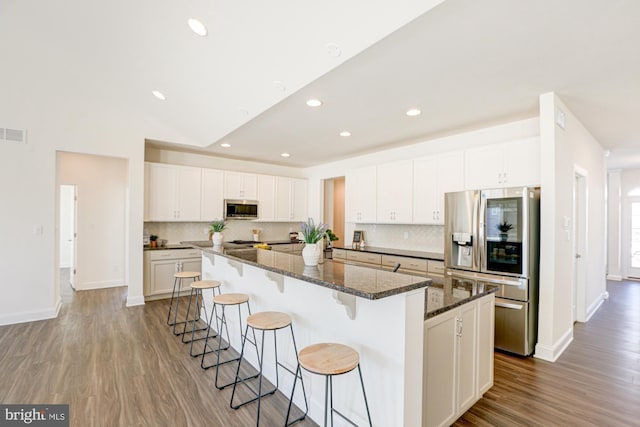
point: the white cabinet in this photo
(160, 266)
(240, 186)
(173, 193)
(266, 198)
(212, 195)
(360, 199)
(510, 164)
(394, 192)
(300, 199)
(433, 177)
(458, 360)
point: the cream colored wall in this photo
(562, 150)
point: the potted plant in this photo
(215, 231)
(312, 234)
(330, 237)
(504, 230)
(154, 241)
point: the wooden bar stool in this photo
(329, 359)
(175, 295)
(266, 321)
(223, 301)
(197, 287)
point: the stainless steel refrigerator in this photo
(492, 236)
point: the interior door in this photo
(633, 257)
(68, 209)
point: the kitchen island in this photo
(379, 313)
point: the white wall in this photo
(101, 187)
(562, 150)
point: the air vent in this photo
(13, 135)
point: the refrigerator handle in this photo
(485, 279)
(480, 242)
(507, 305)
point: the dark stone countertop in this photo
(167, 247)
(398, 252)
(443, 296)
(365, 282)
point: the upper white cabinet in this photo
(360, 195)
(266, 197)
(433, 177)
(173, 193)
(291, 199)
(510, 164)
(240, 185)
(394, 192)
(212, 195)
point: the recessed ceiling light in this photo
(159, 95)
(243, 111)
(314, 102)
(225, 145)
(285, 155)
(345, 133)
(333, 49)
(197, 27)
(413, 112)
(279, 85)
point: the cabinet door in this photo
(283, 199)
(212, 195)
(266, 197)
(484, 167)
(425, 190)
(394, 193)
(467, 357)
(360, 200)
(486, 329)
(193, 264)
(162, 192)
(233, 185)
(161, 280)
(300, 201)
(250, 186)
(439, 394)
(189, 193)
(522, 163)
(450, 178)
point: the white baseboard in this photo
(615, 277)
(133, 300)
(551, 353)
(591, 310)
(31, 316)
(88, 286)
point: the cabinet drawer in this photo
(435, 267)
(339, 254)
(406, 263)
(364, 257)
(174, 254)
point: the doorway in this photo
(580, 247)
(68, 235)
(631, 251)
(334, 206)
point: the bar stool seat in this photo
(230, 299)
(197, 287)
(263, 322)
(329, 359)
(178, 277)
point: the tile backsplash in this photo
(429, 238)
(174, 232)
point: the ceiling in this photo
(464, 63)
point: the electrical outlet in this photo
(205, 231)
(406, 235)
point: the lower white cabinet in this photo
(160, 266)
(458, 360)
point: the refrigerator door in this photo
(504, 221)
(513, 329)
(461, 211)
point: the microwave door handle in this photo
(485, 279)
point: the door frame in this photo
(625, 252)
(580, 250)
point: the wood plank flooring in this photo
(596, 381)
(120, 366)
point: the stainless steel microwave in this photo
(240, 209)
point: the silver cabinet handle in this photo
(507, 305)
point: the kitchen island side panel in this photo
(387, 333)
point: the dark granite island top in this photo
(399, 252)
(444, 296)
(364, 282)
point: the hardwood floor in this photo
(119, 366)
(596, 381)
